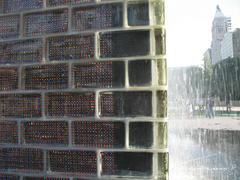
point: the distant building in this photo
(220, 26)
(227, 46)
(230, 46)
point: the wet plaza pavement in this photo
(205, 149)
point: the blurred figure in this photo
(211, 108)
(228, 103)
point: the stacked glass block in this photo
(83, 90)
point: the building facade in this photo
(230, 46)
(220, 26)
(83, 90)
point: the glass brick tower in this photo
(83, 90)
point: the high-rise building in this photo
(83, 90)
(220, 26)
(230, 46)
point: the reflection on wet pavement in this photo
(201, 153)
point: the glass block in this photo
(46, 22)
(70, 104)
(45, 132)
(9, 177)
(21, 159)
(8, 132)
(20, 105)
(124, 43)
(9, 27)
(138, 13)
(82, 163)
(67, 2)
(8, 79)
(126, 104)
(163, 159)
(21, 51)
(127, 163)
(11, 6)
(52, 76)
(97, 17)
(140, 73)
(72, 47)
(141, 134)
(162, 72)
(99, 74)
(99, 134)
(160, 42)
(162, 104)
(162, 138)
(158, 12)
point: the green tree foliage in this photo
(226, 79)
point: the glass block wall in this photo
(83, 90)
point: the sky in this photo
(189, 24)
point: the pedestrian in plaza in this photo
(211, 108)
(207, 110)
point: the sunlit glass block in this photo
(20, 105)
(158, 11)
(162, 72)
(127, 163)
(11, 6)
(21, 159)
(99, 74)
(124, 43)
(8, 79)
(71, 47)
(45, 132)
(160, 41)
(8, 132)
(162, 140)
(21, 51)
(126, 104)
(52, 76)
(98, 134)
(162, 104)
(70, 104)
(9, 27)
(83, 163)
(98, 17)
(163, 165)
(46, 22)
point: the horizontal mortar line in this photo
(89, 119)
(85, 90)
(90, 60)
(30, 173)
(10, 14)
(80, 61)
(62, 147)
(87, 32)
(94, 119)
(121, 28)
(146, 57)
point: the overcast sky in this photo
(189, 25)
